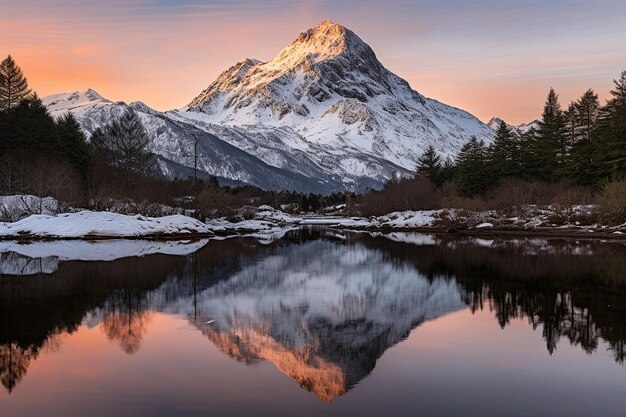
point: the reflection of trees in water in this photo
(15, 359)
(577, 297)
(559, 313)
(126, 320)
(36, 310)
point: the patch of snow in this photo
(335, 221)
(401, 219)
(483, 242)
(101, 224)
(100, 250)
(417, 239)
(16, 207)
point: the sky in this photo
(492, 58)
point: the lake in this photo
(320, 322)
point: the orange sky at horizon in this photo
(164, 52)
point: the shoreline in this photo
(548, 233)
(271, 224)
(543, 233)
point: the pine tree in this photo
(73, 143)
(125, 144)
(29, 128)
(581, 161)
(471, 171)
(504, 153)
(571, 118)
(429, 163)
(447, 171)
(549, 147)
(586, 115)
(619, 90)
(527, 153)
(13, 84)
(610, 146)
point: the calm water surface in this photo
(317, 323)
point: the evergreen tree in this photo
(619, 90)
(610, 149)
(586, 115)
(527, 153)
(471, 169)
(28, 128)
(13, 84)
(582, 161)
(124, 143)
(429, 163)
(571, 118)
(72, 143)
(32, 144)
(447, 171)
(504, 153)
(550, 146)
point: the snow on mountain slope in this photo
(285, 149)
(324, 115)
(90, 108)
(173, 142)
(330, 90)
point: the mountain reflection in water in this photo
(323, 307)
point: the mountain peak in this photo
(327, 29)
(328, 90)
(326, 41)
(58, 103)
(495, 123)
(92, 94)
(328, 23)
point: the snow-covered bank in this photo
(268, 224)
(89, 224)
(574, 220)
(529, 220)
(44, 257)
(267, 219)
(400, 220)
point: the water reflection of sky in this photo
(362, 323)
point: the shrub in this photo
(612, 202)
(417, 193)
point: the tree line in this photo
(583, 145)
(44, 155)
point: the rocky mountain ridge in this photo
(324, 115)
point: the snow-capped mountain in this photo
(495, 122)
(173, 143)
(323, 115)
(329, 94)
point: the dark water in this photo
(317, 323)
